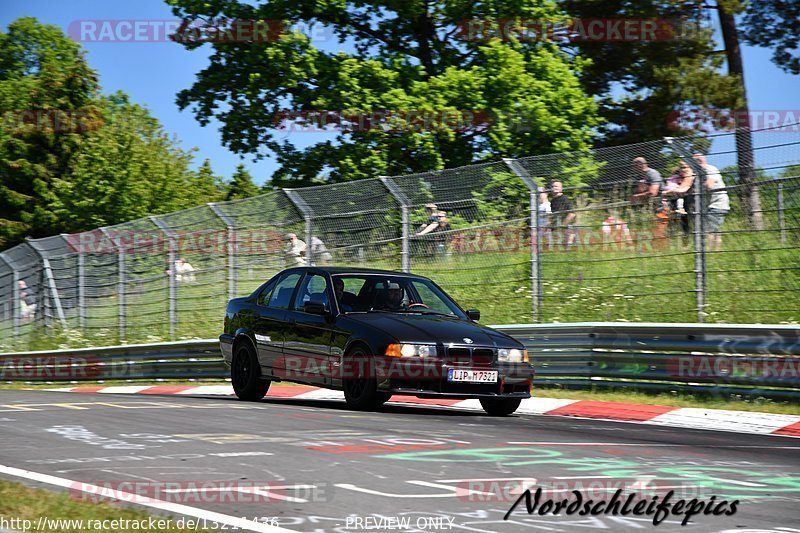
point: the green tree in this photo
(481, 98)
(241, 185)
(775, 24)
(208, 186)
(48, 100)
(128, 168)
(644, 86)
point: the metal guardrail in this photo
(751, 360)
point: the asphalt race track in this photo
(311, 465)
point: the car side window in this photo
(282, 295)
(314, 287)
(263, 296)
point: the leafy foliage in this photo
(241, 185)
(45, 82)
(643, 86)
(72, 160)
(125, 170)
(775, 24)
(520, 98)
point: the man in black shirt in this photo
(563, 214)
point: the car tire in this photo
(246, 374)
(361, 392)
(500, 406)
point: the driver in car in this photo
(393, 297)
(338, 289)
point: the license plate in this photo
(472, 376)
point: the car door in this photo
(270, 327)
(308, 339)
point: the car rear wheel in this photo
(360, 391)
(246, 374)
(500, 406)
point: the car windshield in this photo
(365, 293)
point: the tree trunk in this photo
(744, 138)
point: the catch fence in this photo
(617, 260)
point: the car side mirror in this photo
(473, 314)
(314, 307)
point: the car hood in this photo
(418, 328)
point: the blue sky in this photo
(153, 73)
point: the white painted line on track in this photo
(124, 389)
(209, 390)
(231, 521)
(529, 443)
(319, 394)
(725, 420)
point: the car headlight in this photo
(512, 355)
(411, 350)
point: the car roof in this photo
(356, 270)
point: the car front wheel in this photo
(246, 374)
(361, 391)
(500, 406)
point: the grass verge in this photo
(19, 502)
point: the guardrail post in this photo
(781, 218)
(15, 307)
(536, 263)
(700, 278)
(230, 230)
(171, 258)
(405, 221)
(308, 215)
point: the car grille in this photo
(469, 356)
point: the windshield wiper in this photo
(422, 312)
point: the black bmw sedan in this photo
(372, 334)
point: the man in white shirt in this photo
(295, 250)
(184, 271)
(719, 203)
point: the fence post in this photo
(405, 221)
(173, 289)
(51, 281)
(15, 307)
(536, 263)
(230, 230)
(81, 285)
(781, 219)
(700, 276)
(122, 304)
(308, 215)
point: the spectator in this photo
(615, 230)
(294, 250)
(319, 252)
(544, 212)
(441, 234)
(432, 221)
(563, 214)
(431, 224)
(647, 183)
(719, 203)
(184, 271)
(27, 300)
(679, 196)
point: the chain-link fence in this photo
(604, 250)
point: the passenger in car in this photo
(345, 299)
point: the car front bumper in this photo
(429, 379)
